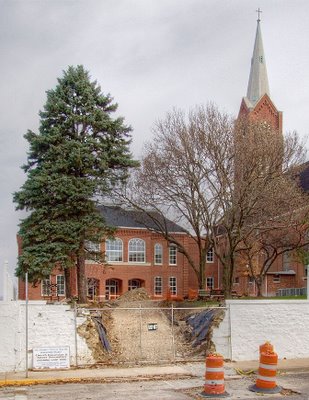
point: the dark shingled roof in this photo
(129, 218)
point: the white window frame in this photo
(172, 255)
(93, 287)
(158, 254)
(158, 284)
(45, 287)
(276, 279)
(210, 279)
(236, 280)
(210, 256)
(114, 250)
(93, 247)
(132, 286)
(139, 250)
(172, 284)
(60, 285)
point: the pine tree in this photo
(79, 154)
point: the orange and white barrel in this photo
(214, 377)
(266, 380)
(266, 348)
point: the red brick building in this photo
(137, 257)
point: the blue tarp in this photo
(102, 333)
(200, 324)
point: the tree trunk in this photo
(81, 275)
(201, 276)
(259, 282)
(228, 269)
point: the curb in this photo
(30, 381)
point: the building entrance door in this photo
(112, 289)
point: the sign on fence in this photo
(51, 357)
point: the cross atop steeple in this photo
(259, 11)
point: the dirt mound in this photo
(133, 295)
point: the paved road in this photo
(296, 387)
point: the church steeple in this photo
(257, 104)
(258, 80)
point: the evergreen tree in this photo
(79, 154)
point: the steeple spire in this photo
(258, 81)
(257, 105)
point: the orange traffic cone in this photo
(214, 377)
(266, 347)
(266, 380)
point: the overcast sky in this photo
(151, 56)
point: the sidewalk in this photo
(141, 373)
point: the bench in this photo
(217, 294)
(203, 294)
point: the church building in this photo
(139, 257)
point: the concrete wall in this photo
(246, 325)
(285, 323)
(49, 325)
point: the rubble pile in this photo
(140, 294)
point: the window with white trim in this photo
(137, 251)
(173, 285)
(114, 250)
(276, 279)
(60, 285)
(158, 286)
(172, 255)
(210, 282)
(93, 247)
(158, 254)
(45, 287)
(210, 256)
(134, 284)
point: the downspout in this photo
(219, 286)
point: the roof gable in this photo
(129, 218)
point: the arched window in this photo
(134, 284)
(137, 250)
(113, 250)
(158, 253)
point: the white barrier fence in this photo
(246, 325)
(285, 323)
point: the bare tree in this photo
(220, 180)
(286, 234)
